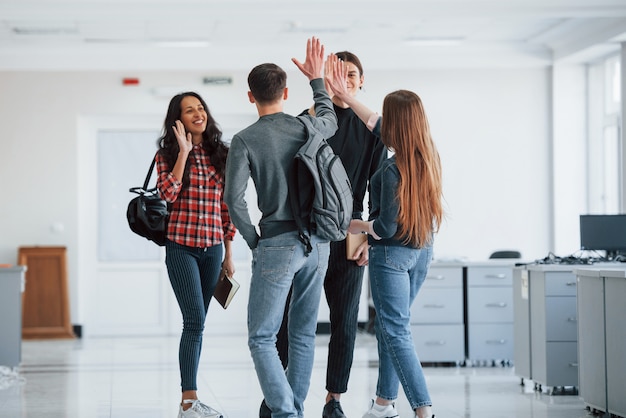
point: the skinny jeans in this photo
(193, 274)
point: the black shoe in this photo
(333, 410)
(265, 411)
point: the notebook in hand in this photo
(352, 243)
(225, 289)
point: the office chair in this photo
(506, 254)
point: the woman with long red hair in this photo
(407, 210)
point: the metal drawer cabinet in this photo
(437, 315)
(490, 304)
(490, 314)
(494, 341)
(554, 339)
(438, 306)
(439, 343)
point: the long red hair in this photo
(405, 129)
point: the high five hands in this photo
(314, 61)
(336, 76)
(334, 70)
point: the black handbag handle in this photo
(138, 190)
(145, 183)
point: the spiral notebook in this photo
(225, 289)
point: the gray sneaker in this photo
(198, 410)
(389, 411)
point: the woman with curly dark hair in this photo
(190, 164)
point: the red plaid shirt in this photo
(198, 215)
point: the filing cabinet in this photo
(11, 290)
(437, 322)
(553, 331)
(602, 338)
(490, 312)
(521, 322)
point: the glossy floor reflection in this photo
(138, 378)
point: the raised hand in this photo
(314, 63)
(184, 140)
(336, 76)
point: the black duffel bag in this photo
(147, 213)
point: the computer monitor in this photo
(603, 233)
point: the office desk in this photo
(591, 339)
(602, 338)
(546, 324)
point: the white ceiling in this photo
(233, 35)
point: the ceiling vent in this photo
(43, 29)
(213, 81)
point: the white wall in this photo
(569, 155)
(492, 128)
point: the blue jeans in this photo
(396, 275)
(193, 273)
(278, 263)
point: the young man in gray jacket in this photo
(264, 151)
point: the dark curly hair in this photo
(211, 138)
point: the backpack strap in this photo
(304, 234)
(304, 230)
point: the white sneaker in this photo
(198, 410)
(388, 412)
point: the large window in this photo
(604, 147)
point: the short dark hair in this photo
(267, 82)
(350, 57)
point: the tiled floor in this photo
(138, 378)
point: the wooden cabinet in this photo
(46, 311)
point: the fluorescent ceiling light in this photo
(183, 43)
(434, 41)
(44, 30)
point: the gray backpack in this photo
(319, 190)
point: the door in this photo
(123, 285)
